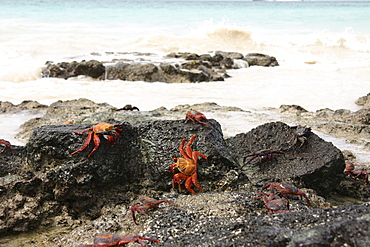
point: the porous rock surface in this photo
(313, 162)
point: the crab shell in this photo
(108, 131)
(185, 166)
(102, 127)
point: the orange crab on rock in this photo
(109, 131)
(147, 203)
(197, 116)
(6, 144)
(113, 240)
(187, 166)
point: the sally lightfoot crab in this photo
(128, 108)
(286, 188)
(300, 134)
(197, 116)
(273, 203)
(265, 155)
(6, 145)
(187, 166)
(113, 240)
(356, 173)
(146, 203)
(109, 131)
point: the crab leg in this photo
(177, 178)
(139, 209)
(188, 149)
(198, 120)
(81, 132)
(188, 183)
(194, 179)
(86, 143)
(181, 149)
(248, 160)
(97, 144)
(196, 154)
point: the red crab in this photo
(265, 155)
(147, 203)
(187, 166)
(286, 188)
(128, 108)
(273, 203)
(356, 173)
(109, 131)
(113, 240)
(6, 144)
(197, 116)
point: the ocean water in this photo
(323, 49)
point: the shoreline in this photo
(258, 81)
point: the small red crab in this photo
(6, 144)
(286, 188)
(197, 116)
(113, 240)
(356, 173)
(273, 203)
(264, 156)
(109, 131)
(187, 166)
(147, 203)
(128, 108)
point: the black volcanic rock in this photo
(43, 185)
(92, 68)
(257, 59)
(189, 68)
(317, 163)
(143, 152)
(231, 219)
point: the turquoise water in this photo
(75, 27)
(291, 16)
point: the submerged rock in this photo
(257, 59)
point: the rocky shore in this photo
(52, 198)
(174, 67)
